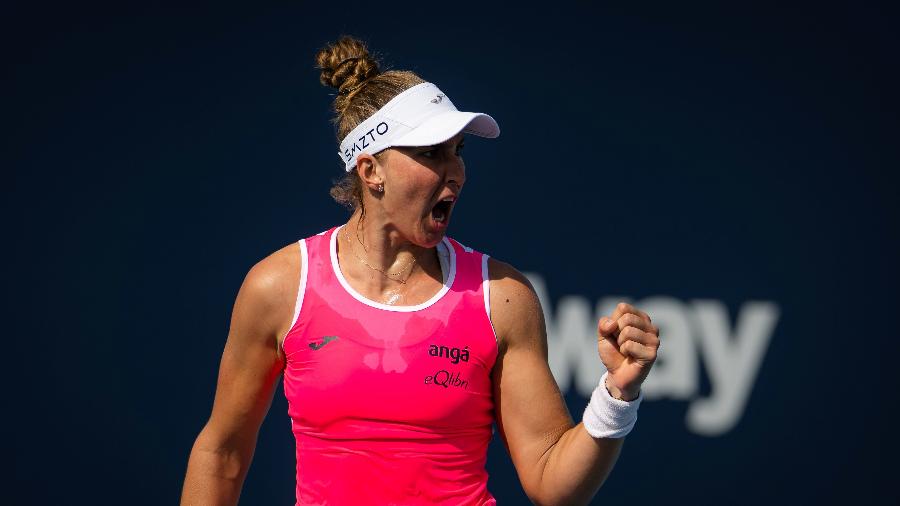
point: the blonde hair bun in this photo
(346, 65)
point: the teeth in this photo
(448, 199)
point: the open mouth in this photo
(440, 213)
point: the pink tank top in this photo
(390, 404)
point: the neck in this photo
(378, 245)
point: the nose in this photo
(455, 174)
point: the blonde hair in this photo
(362, 89)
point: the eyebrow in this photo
(448, 142)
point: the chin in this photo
(434, 240)
(431, 238)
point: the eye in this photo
(430, 153)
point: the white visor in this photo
(420, 116)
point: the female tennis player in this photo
(399, 347)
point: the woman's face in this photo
(421, 185)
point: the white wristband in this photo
(608, 417)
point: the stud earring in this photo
(380, 188)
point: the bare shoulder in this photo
(269, 291)
(515, 309)
(507, 280)
(270, 277)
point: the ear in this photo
(371, 172)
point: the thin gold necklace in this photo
(389, 275)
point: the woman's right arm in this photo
(251, 364)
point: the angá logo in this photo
(454, 354)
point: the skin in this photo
(557, 461)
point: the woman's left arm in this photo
(557, 461)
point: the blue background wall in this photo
(690, 152)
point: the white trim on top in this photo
(486, 289)
(301, 288)
(356, 295)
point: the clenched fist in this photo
(627, 341)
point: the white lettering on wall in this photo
(690, 331)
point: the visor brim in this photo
(444, 126)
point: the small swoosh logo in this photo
(325, 340)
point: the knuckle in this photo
(644, 317)
(628, 319)
(623, 307)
